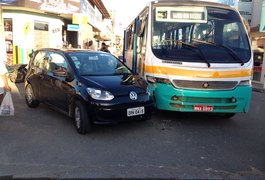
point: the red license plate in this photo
(203, 108)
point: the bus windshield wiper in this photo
(229, 50)
(202, 56)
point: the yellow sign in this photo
(79, 19)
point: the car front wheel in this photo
(30, 97)
(81, 119)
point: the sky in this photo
(126, 10)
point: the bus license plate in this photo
(135, 111)
(203, 108)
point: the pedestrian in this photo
(104, 47)
(4, 86)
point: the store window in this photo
(41, 26)
(8, 26)
(41, 34)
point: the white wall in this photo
(256, 13)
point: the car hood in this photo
(117, 84)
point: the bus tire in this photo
(227, 115)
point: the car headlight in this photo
(99, 94)
(148, 91)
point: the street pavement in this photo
(258, 87)
(39, 143)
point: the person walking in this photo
(104, 47)
(4, 86)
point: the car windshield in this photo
(218, 38)
(97, 64)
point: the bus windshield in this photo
(199, 34)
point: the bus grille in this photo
(180, 106)
(205, 85)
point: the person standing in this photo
(4, 86)
(104, 48)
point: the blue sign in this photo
(72, 27)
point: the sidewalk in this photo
(258, 87)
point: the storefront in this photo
(29, 25)
(25, 32)
(258, 41)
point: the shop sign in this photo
(257, 69)
(72, 27)
(54, 6)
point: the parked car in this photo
(90, 86)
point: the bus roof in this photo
(193, 2)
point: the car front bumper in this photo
(112, 114)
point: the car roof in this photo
(69, 50)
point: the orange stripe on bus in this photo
(198, 73)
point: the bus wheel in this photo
(227, 115)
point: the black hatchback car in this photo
(90, 86)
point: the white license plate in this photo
(135, 111)
(203, 108)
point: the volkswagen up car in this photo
(90, 86)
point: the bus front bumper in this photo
(218, 101)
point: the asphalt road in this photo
(42, 143)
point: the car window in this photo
(55, 62)
(76, 61)
(39, 59)
(98, 64)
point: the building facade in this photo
(257, 35)
(31, 24)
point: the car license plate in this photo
(135, 111)
(203, 108)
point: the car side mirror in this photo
(69, 77)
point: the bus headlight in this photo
(153, 80)
(245, 83)
(150, 79)
(163, 80)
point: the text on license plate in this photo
(203, 108)
(135, 111)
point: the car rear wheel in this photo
(30, 97)
(81, 119)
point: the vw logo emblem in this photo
(205, 85)
(133, 95)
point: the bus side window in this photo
(131, 40)
(141, 39)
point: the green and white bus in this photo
(195, 55)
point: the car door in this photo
(35, 73)
(54, 87)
